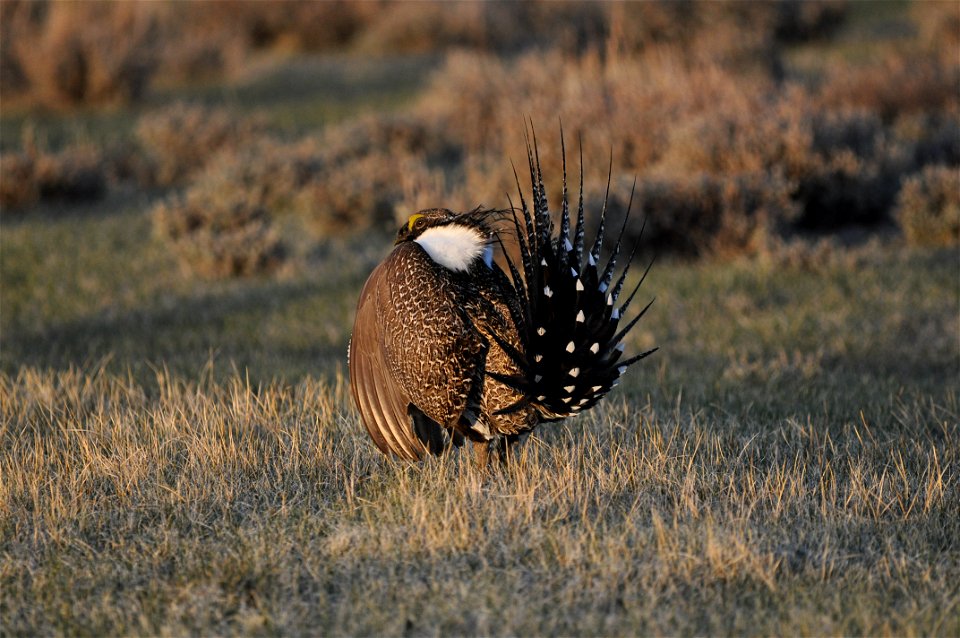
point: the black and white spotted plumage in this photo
(447, 346)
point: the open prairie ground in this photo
(178, 449)
(186, 459)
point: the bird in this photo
(449, 346)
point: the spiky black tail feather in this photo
(571, 346)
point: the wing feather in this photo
(381, 400)
(412, 344)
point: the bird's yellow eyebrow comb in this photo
(412, 220)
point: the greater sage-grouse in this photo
(447, 346)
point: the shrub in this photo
(222, 225)
(76, 173)
(373, 171)
(197, 47)
(218, 39)
(899, 84)
(350, 178)
(373, 191)
(109, 60)
(122, 47)
(268, 172)
(489, 26)
(701, 214)
(745, 135)
(802, 20)
(18, 181)
(934, 137)
(938, 24)
(662, 108)
(928, 207)
(181, 139)
(406, 133)
(299, 25)
(13, 79)
(844, 165)
(625, 106)
(748, 36)
(219, 229)
(853, 177)
(697, 128)
(67, 53)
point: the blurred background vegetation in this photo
(746, 122)
(165, 155)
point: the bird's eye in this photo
(420, 223)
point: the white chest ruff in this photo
(455, 247)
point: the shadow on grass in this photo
(270, 330)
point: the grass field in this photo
(184, 458)
(179, 455)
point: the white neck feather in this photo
(453, 246)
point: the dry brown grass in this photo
(206, 506)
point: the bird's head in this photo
(479, 220)
(451, 239)
(421, 221)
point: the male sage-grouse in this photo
(446, 346)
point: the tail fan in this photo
(572, 352)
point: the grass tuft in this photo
(235, 507)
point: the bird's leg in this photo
(481, 454)
(453, 441)
(502, 450)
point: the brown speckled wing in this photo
(412, 343)
(381, 400)
(431, 346)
